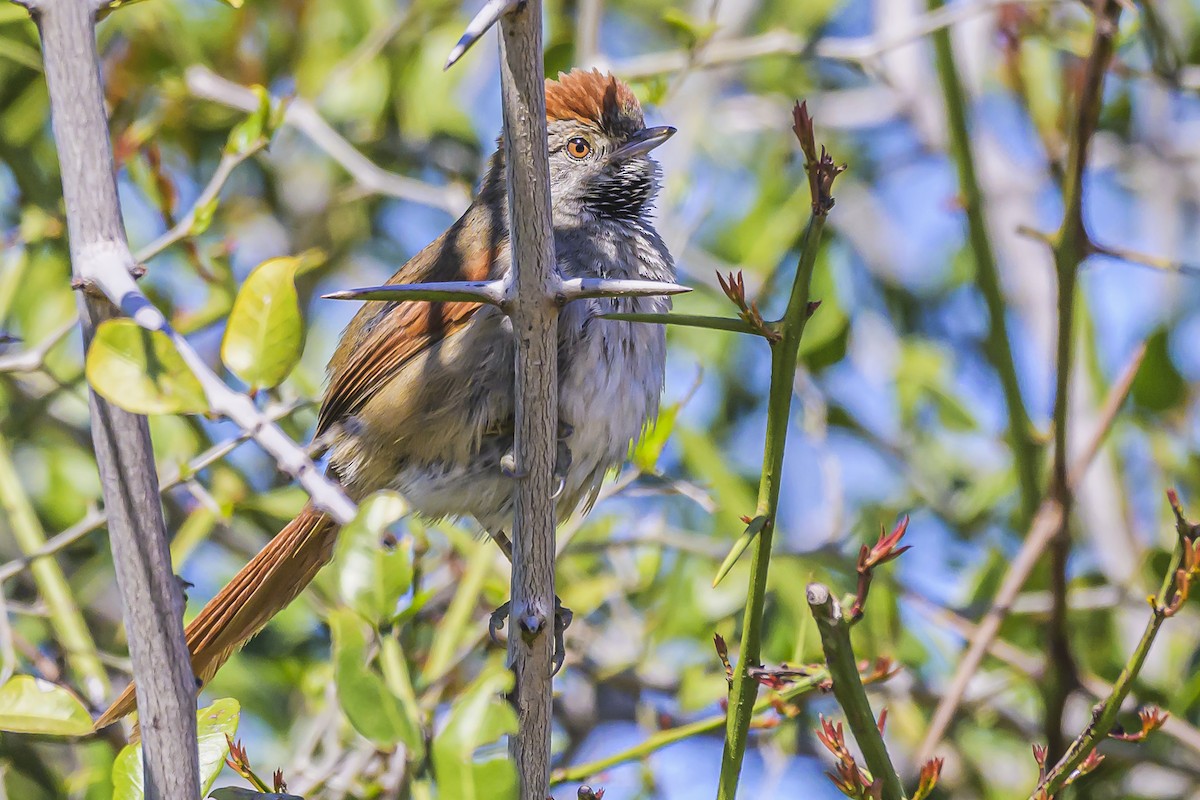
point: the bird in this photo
(419, 397)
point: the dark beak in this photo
(643, 142)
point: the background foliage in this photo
(381, 682)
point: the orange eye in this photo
(578, 148)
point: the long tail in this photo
(262, 589)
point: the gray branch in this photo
(151, 599)
(104, 268)
(535, 323)
(301, 115)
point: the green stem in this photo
(848, 689)
(399, 680)
(784, 355)
(65, 618)
(1071, 246)
(1105, 715)
(690, 321)
(661, 739)
(987, 275)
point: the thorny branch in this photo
(784, 357)
(1081, 755)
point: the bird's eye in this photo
(578, 148)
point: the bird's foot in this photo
(562, 458)
(562, 620)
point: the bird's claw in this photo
(562, 620)
(496, 621)
(562, 464)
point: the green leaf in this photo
(32, 705)
(456, 625)
(265, 335)
(752, 530)
(203, 217)
(213, 724)
(650, 446)
(479, 717)
(141, 371)
(373, 569)
(373, 710)
(1158, 386)
(693, 31)
(250, 133)
(238, 793)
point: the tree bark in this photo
(534, 315)
(151, 597)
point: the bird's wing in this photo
(384, 335)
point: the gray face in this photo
(600, 175)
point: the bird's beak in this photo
(643, 142)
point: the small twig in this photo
(870, 557)
(691, 321)
(35, 358)
(239, 762)
(96, 519)
(1043, 527)
(184, 225)
(1182, 569)
(734, 288)
(369, 176)
(102, 267)
(1145, 259)
(667, 737)
(859, 50)
(848, 689)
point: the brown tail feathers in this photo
(262, 588)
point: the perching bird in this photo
(420, 394)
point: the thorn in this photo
(491, 12)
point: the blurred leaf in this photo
(1039, 62)
(374, 569)
(692, 31)
(238, 793)
(265, 335)
(32, 705)
(203, 217)
(141, 371)
(259, 127)
(1158, 385)
(479, 717)
(649, 447)
(213, 724)
(453, 627)
(371, 708)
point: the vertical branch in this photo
(1071, 247)
(785, 351)
(151, 598)
(535, 324)
(987, 275)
